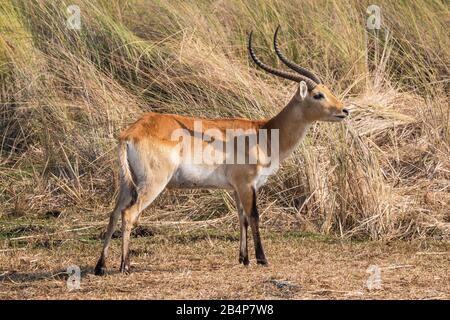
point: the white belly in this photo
(199, 176)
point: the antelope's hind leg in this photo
(153, 170)
(145, 196)
(123, 200)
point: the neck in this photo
(292, 127)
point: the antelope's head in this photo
(315, 102)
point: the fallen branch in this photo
(50, 234)
(437, 252)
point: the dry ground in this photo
(202, 264)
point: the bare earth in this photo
(203, 265)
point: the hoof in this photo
(100, 268)
(244, 260)
(100, 271)
(263, 262)
(125, 269)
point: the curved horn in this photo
(280, 73)
(291, 64)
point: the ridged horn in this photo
(291, 64)
(280, 73)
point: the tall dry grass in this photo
(66, 94)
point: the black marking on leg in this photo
(259, 252)
(100, 269)
(254, 212)
(260, 256)
(134, 196)
(262, 262)
(244, 260)
(125, 266)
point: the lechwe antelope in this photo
(151, 159)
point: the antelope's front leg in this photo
(247, 195)
(243, 223)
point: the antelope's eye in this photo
(318, 96)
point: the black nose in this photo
(346, 111)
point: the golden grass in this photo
(66, 94)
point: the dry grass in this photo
(66, 94)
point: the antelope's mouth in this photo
(337, 118)
(342, 116)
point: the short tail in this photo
(125, 170)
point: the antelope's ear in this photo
(302, 90)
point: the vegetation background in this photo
(66, 94)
